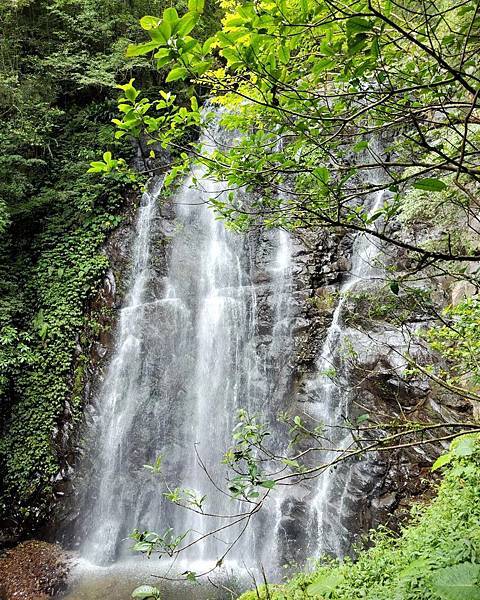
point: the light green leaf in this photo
(464, 446)
(443, 459)
(322, 173)
(290, 463)
(234, 21)
(96, 167)
(148, 22)
(139, 49)
(269, 484)
(187, 23)
(430, 185)
(170, 15)
(325, 585)
(161, 33)
(459, 582)
(416, 568)
(362, 418)
(196, 6)
(176, 74)
(207, 44)
(359, 146)
(284, 55)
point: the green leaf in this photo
(187, 23)
(443, 459)
(375, 49)
(170, 15)
(464, 445)
(430, 185)
(325, 585)
(148, 22)
(234, 20)
(323, 174)
(139, 49)
(459, 582)
(97, 167)
(416, 568)
(359, 146)
(161, 33)
(207, 45)
(358, 25)
(268, 483)
(290, 463)
(284, 54)
(177, 73)
(196, 6)
(362, 418)
(145, 592)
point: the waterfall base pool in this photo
(116, 582)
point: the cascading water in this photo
(208, 331)
(331, 404)
(187, 356)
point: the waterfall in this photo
(126, 379)
(191, 348)
(209, 326)
(331, 404)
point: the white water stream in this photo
(332, 402)
(187, 356)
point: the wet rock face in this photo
(294, 531)
(283, 311)
(33, 570)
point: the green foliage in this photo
(249, 481)
(401, 305)
(325, 585)
(60, 63)
(42, 327)
(305, 84)
(457, 340)
(464, 445)
(460, 582)
(436, 557)
(166, 544)
(430, 184)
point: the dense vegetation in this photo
(60, 62)
(436, 556)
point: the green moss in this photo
(442, 534)
(63, 265)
